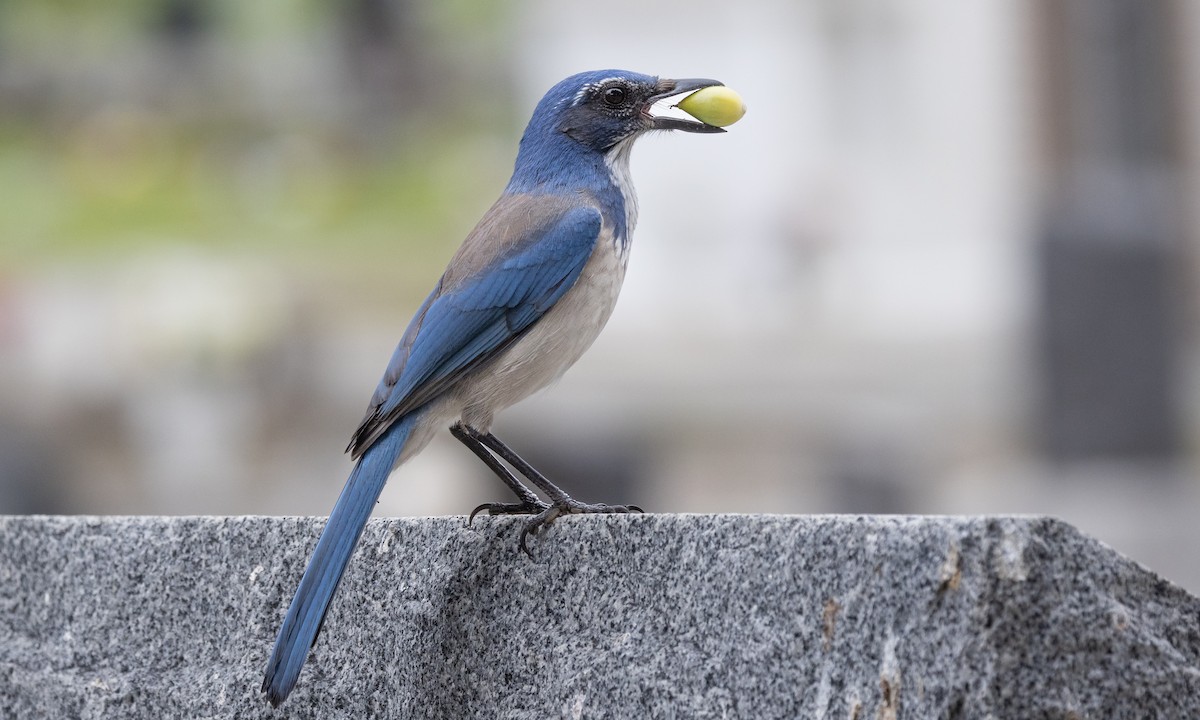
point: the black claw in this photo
(566, 506)
(476, 511)
(522, 508)
(533, 527)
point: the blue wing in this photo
(495, 288)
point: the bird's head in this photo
(601, 108)
(584, 126)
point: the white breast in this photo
(553, 344)
(562, 335)
(617, 161)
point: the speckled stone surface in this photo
(654, 616)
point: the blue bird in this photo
(522, 299)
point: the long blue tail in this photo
(329, 560)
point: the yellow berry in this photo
(716, 105)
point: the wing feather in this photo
(472, 316)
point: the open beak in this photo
(664, 115)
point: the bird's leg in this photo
(560, 502)
(530, 503)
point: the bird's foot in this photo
(528, 507)
(566, 506)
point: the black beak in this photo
(665, 116)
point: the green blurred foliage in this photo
(95, 167)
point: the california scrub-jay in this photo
(522, 299)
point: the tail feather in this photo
(332, 554)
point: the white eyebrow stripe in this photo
(591, 86)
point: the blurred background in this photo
(947, 263)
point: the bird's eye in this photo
(614, 96)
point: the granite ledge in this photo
(672, 616)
